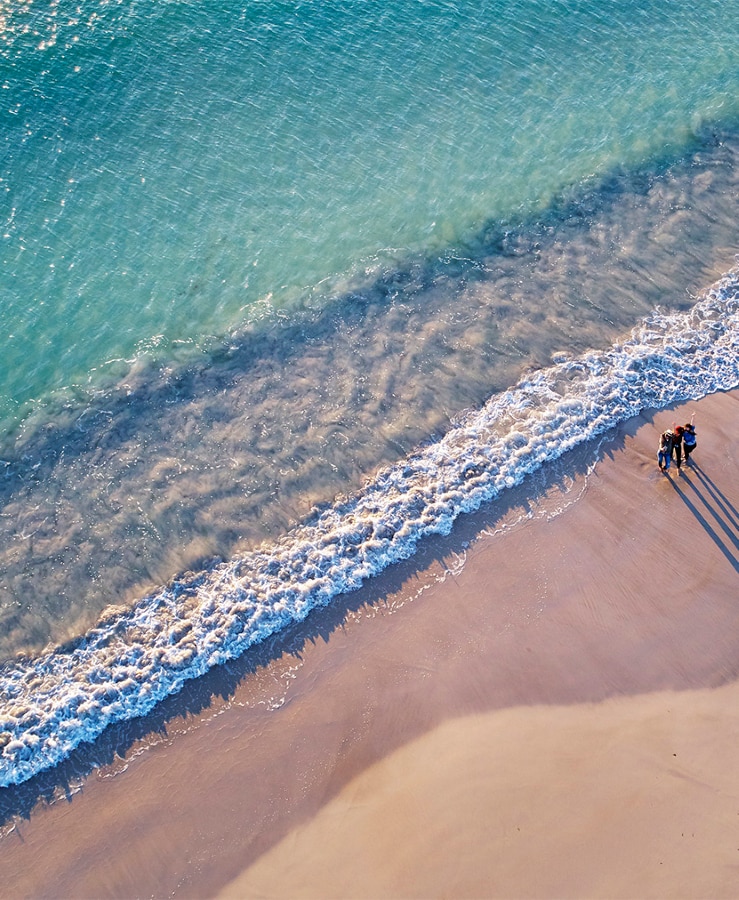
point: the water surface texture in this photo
(287, 286)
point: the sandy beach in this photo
(543, 704)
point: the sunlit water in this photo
(251, 258)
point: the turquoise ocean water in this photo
(286, 286)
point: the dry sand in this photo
(628, 798)
(556, 718)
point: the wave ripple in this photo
(134, 658)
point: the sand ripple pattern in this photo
(134, 658)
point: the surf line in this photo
(134, 658)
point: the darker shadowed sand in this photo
(536, 708)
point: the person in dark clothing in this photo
(689, 440)
(677, 444)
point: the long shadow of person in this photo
(728, 528)
(728, 509)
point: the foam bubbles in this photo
(121, 668)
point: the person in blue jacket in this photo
(689, 440)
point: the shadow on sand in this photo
(221, 682)
(711, 508)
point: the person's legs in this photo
(678, 451)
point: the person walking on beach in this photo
(677, 444)
(664, 451)
(689, 439)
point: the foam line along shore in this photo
(231, 294)
(582, 638)
(110, 491)
(129, 662)
(287, 288)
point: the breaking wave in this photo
(134, 658)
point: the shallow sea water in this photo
(253, 255)
(171, 171)
(102, 501)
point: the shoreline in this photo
(568, 608)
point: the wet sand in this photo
(555, 716)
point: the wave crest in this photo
(134, 658)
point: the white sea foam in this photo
(123, 667)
